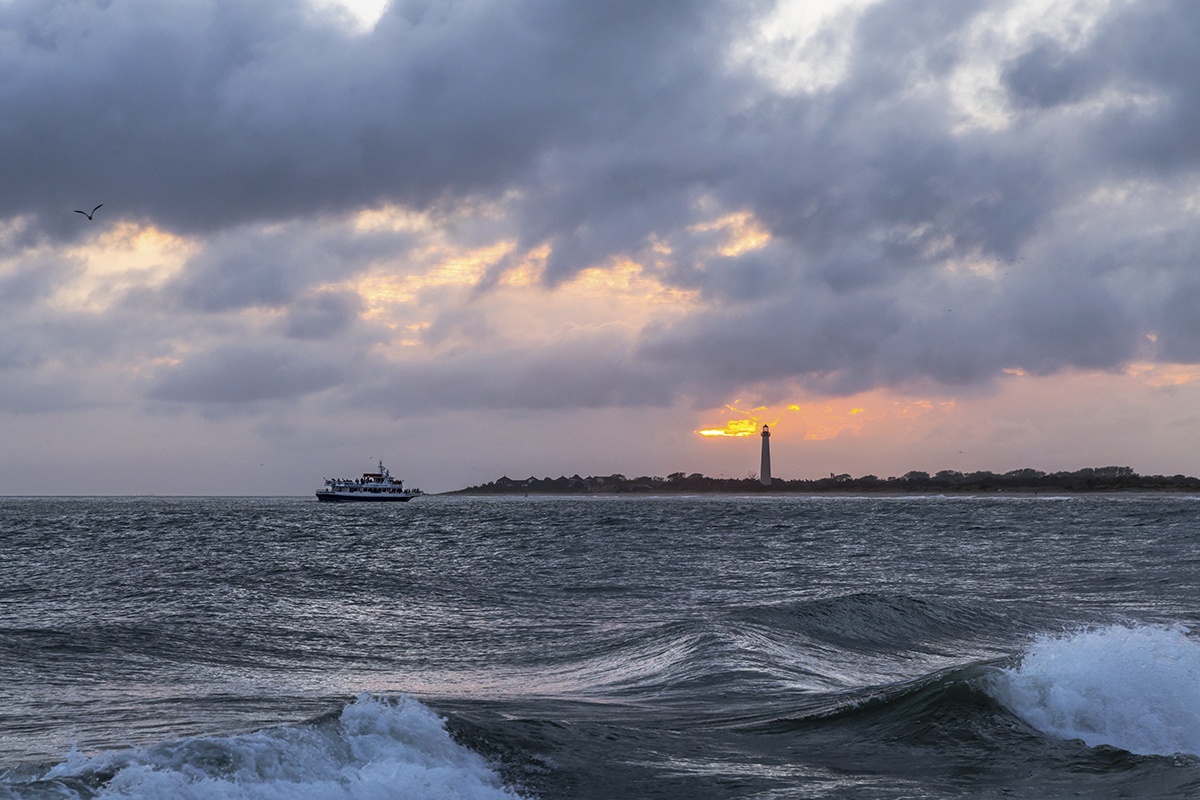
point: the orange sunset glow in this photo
(746, 423)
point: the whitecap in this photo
(375, 749)
(1135, 687)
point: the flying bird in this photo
(86, 214)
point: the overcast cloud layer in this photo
(951, 190)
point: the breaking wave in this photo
(1134, 687)
(375, 748)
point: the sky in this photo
(475, 238)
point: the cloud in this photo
(203, 115)
(906, 236)
(34, 278)
(589, 370)
(322, 315)
(230, 375)
(1045, 75)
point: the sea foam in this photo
(375, 749)
(1135, 687)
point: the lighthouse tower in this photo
(764, 474)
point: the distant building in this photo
(764, 474)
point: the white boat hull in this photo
(363, 497)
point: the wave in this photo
(1131, 686)
(746, 654)
(875, 621)
(895, 710)
(374, 748)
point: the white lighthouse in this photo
(764, 474)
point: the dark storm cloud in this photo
(1180, 332)
(1046, 75)
(1143, 55)
(322, 315)
(909, 244)
(850, 342)
(888, 180)
(201, 114)
(579, 371)
(230, 375)
(1150, 51)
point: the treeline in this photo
(1090, 479)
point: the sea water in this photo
(600, 647)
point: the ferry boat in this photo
(373, 487)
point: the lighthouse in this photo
(764, 474)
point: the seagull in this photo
(86, 214)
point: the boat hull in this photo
(363, 497)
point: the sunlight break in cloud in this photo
(365, 13)
(123, 258)
(746, 423)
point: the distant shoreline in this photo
(472, 492)
(885, 493)
(1091, 480)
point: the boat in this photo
(372, 487)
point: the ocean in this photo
(600, 647)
